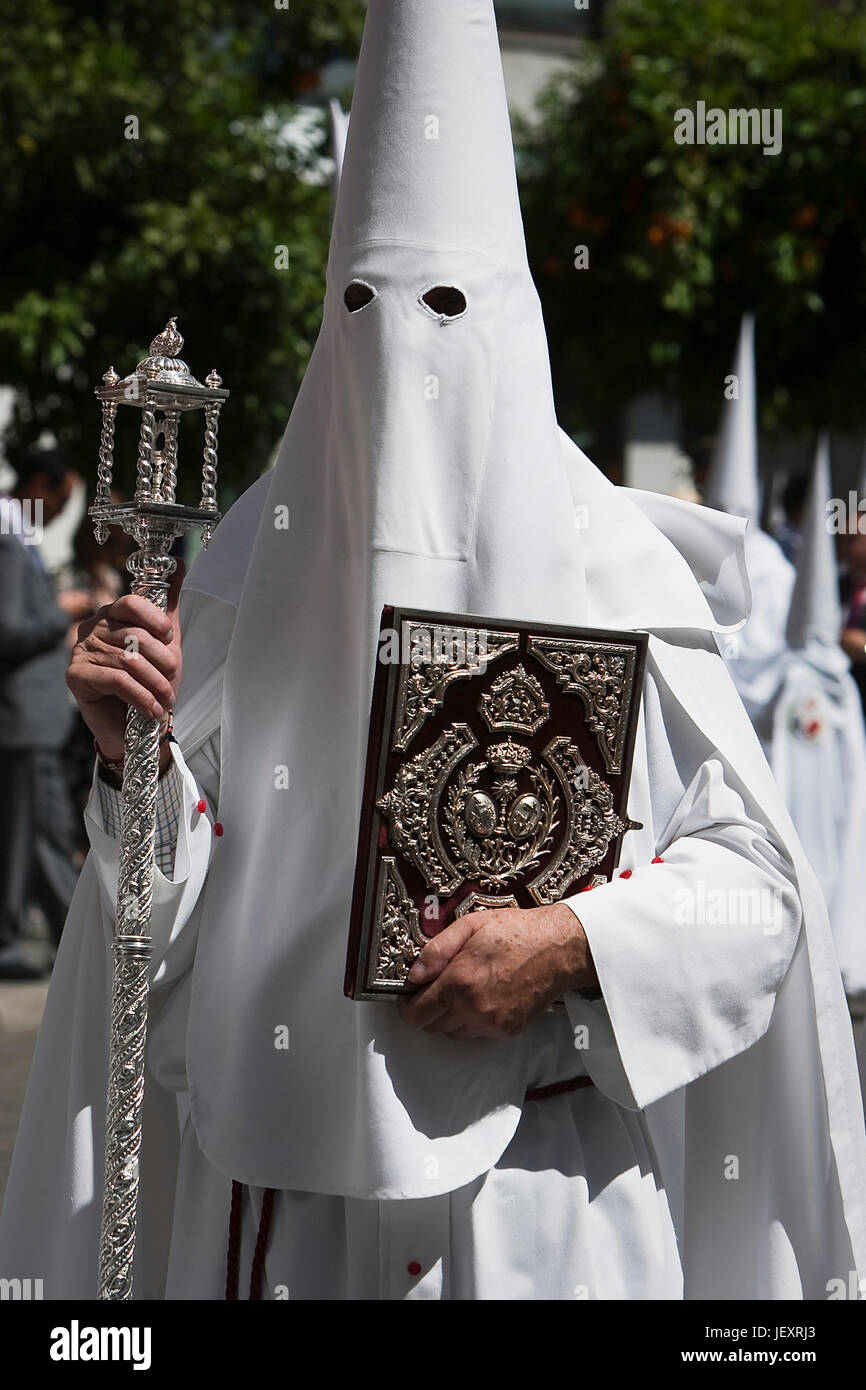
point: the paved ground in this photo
(21, 1006)
(20, 1011)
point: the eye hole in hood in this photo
(358, 295)
(445, 302)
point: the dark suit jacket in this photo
(35, 703)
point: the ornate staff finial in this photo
(169, 342)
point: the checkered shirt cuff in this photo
(169, 803)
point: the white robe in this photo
(756, 656)
(587, 1200)
(818, 757)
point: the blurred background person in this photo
(818, 746)
(37, 830)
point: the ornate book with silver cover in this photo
(498, 764)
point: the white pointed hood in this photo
(732, 484)
(339, 132)
(756, 658)
(431, 153)
(815, 617)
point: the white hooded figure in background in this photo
(339, 133)
(756, 654)
(818, 751)
(423, 466)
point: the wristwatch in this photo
(111, 769)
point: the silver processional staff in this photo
(161, 387)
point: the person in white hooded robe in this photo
(818, 748)
(756, 653)
(423, 466)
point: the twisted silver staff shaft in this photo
(151, 567)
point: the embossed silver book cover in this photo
(497, 775)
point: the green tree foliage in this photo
(682, 239)
(104, 236)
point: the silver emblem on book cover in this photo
(515, 701)
(602, 674)
(477, 902)
(516, 827)
(456, 653)
(399, 939)
(500, 816)
(412, 804)
(591, 822)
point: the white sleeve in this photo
(191, 830)
(690, 952)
